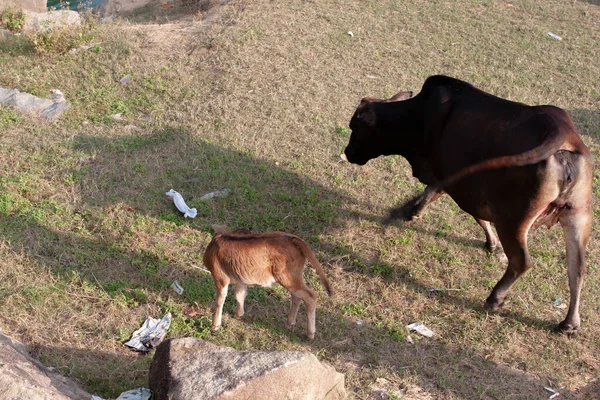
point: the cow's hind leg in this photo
(514, 242)
(577, 225)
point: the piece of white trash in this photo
(554, 36)
(350, 34)
(210, 195)
(343, 157)
(136, 394)
(180, 204)
(420, 328)
(177, 287)
(150, 334)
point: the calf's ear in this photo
(401, 96)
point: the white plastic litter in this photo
(177, 287)
(350, 34)
(136, 394)
(222, 192)
(180, 204)
(554, 36)
(150, 334)
(420, 328)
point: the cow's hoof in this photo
(289, 326)
(493, 305)
(567, 328)
(215, 328)
(310, 336)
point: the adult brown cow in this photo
(514, 165)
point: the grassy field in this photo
(255, 97)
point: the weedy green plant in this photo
(60, 38)
(13, 19)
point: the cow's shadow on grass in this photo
(120, 192)
(587, 122)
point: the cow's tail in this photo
(529, 157)
(312, 259)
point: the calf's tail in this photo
(312, 259)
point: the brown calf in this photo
(246, 258)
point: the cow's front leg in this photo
(413, 209)
(514, 242)
(491, 240)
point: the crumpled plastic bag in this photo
(180, 204)
(136, 394)
(420, 328)
(152, 332)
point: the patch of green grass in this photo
(8, 117)
(353, 309)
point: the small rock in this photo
(125, 80)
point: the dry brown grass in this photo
(257, 101)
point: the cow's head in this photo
(366, 141)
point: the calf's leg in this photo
(222, 285)
(291, 321)
(240, 292)
(309, 297)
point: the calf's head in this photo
(367, 141)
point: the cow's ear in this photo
(363, 107)
(365, 101)
(401, 96)
(366, 114)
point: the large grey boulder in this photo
(46, 109)
(40, 22)
(21, 377)
(190, 369)
(31, 5)
(110, 8)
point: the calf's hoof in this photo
(310, 335)
(567, 327)
(493, 305)
(289, 326)
(215, 328)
